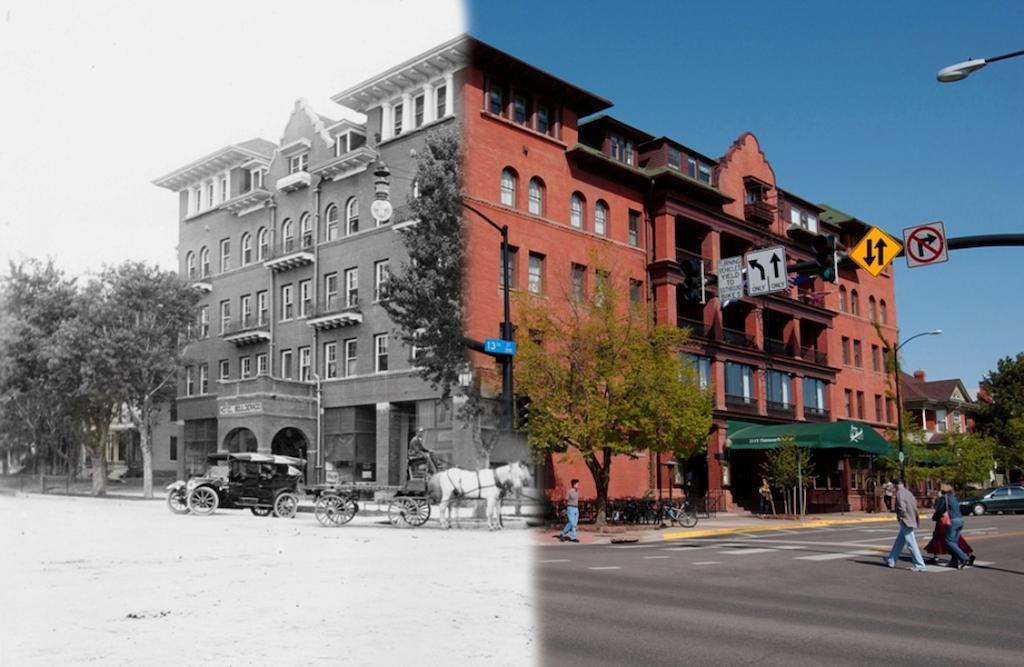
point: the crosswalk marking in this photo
(653, 557)
(606, 567)
(737, 552)
(707, 562)
(555, 560)
(837, 556)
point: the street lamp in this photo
(506, 324)
(899, 395)
(964, 69)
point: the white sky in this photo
(99, 98)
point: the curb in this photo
(817, 523)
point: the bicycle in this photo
(685, 516)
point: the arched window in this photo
(842, 299)
(576, 210)
(872, 309)
(352, 216)
(508, 187)
(331, 220)
(601, 218)
(262, 244)
(287, 235)
(246, 248)
(883, 315)
(204, 262)
(536, 195)
(854, 303)
(306, 230)
(190, 265)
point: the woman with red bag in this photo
(945, 505)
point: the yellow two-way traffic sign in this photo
(874, 252)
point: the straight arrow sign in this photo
(766, 271)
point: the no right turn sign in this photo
(925, 244)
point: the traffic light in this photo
(522, 420)
(826, 255)
(693, 278)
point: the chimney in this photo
(919, 375)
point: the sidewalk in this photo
(721, 524)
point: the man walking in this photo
(906, 514)
(887, 490)
(572, 512)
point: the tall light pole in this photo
(966, 68)
(506, 324)
(899, 396)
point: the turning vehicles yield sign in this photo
(874, 252)
(925, 244)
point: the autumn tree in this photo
(604, 381)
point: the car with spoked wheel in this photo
(264, 484)
(999, 500)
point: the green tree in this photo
(604, 381)
(966, 458)
(425, 298)
(36, 415)
(919, 460)
(1002, 419)
(150, 311)
(787, 467)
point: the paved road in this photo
(788, 597)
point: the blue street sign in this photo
(498, 346)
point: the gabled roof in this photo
(591, 125)
(656, 141)
(935, 391)
(224, 158)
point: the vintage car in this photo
(263, 483)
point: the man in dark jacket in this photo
(906, 514)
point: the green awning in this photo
(831, 435)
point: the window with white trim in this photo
(262, 365)
(190, 382)
(601, 218)
(352, 216)
(246, 309)
(536, 197)
(330, 360)
(225, 255)
(397, 110)
(739, 383)
(535, 279)
(418, 108)
(508, 187)
(380, 354)
(246, 248)
(287, 302)
(440, 99)
(204, 379)
(286, 364)
(262, 308)
(204, 262)
(245, 367)
(576, 210)
(190, 265)
(262, 244)
(225, 316)
(351, 287)
(331, 301)
(204, 321)
(634, 228)
(224, 370)
(305, 298)
(298, 163)
(331, 219)
(305, 358)
(381, 274)
(287, 235)
(223, 188)
(306, 230)
(351, 358)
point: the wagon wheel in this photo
(261, 510)
(334, 510)
(202, 500)
(286, 505)
(177, 502)
(418, 511)
(397, 512)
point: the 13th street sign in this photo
(499, 347)
(766, 271)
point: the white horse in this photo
(487, 484)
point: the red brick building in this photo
(572, 189)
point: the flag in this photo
(798, 279)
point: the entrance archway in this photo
(290, 442)
(240, 440)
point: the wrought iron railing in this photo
(776, 346)
(813, 355)
(737, 337)
(697, 328)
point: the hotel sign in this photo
(241, 408)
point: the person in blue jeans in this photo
(572, 512)
(948, 502)
(906, 514)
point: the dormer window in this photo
(495, 99)
(622, 149)
(440, 101)
(418, 106)
(520, 110)
(256, 178)
(674, 157)
(341, 144)
(398, 110)
(804, 219)
(297, 163)
(543, 119)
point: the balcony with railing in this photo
(682, 255)
(246, 201)
(814, 356)
(780, 408)
(346, 164)
(736, 337)
(291, 253)
(813, 414)
(335, 311)
(776, 346)
(759, 211)
(697, 328)
(247, 331)
(294, 181)
(202, 284)
(740, 402)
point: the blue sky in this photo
(848, 111)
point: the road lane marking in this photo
(606, 567)
(689, 548)
(790, 547)
(653, 557)
(834, 556)
(555, 560)
(707, 562)
(737, 552)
